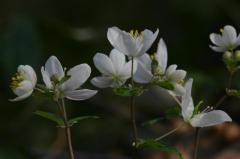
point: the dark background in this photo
(74, 30)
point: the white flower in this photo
(202, 119)
(23, 83)
(66, 85)
(132, 44)
(227, 41)
(145, 72)
(115, 70)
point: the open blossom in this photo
(115, 70)
(203, 119)
(160, 73)
(133, 43)
(227, 41)
(66, 84)
(23, 83)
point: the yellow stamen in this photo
(221, 30)
(16, 80)
(135, 33)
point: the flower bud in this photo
(237, 55)
(227, 56)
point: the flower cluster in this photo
(58, 82)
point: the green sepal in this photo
(151, 143)
(197, 108)
(165, 85)
(76, 120)
(50, 116)
(128, 91)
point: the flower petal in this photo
(102, 82)
(148, 38)
(23, 88)
(209, 119)
(170, 70)
(229, 35)
(112, 35)
(78, 75)
(177, 75)
(143, 74)
(127, 68)
(22, 97)
(146, 61)
(178, 90)
(162, 55)
(103, 64)
(54, 68)
(218, 49)
(118, 60)
(81, 94)
(187, 102)
(216, 39)
(28, 73)
(46, 78)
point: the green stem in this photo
(168, 133)
(63, 112)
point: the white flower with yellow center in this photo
(23, 83)
(115, 70)
(156, 70)
(229, 39)
(200, 119)
(66, 85)
(133, 43)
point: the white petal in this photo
(177, 75)
(178, 90)
(143, 74)
(148, 38)
(229, 35)
(81, 94)
(22, 97)
(127, 68)
(54, 68)
(78, 75)
(162, 55)
(118, 60)
(28, 73)
(103, 64)
(112, 34)
(187, 104)
(216, 39)
(218, 49)
(127, 45)
(46, 79)
(23, 88)
(209, 119)
(146, 61)
(102, 82)
(170, 70)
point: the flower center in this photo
(16, 80)
(135, 33)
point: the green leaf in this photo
(59, 121)
(151, 143)
(76, 120)
(169, 114)
(165, 85)
(128, 91)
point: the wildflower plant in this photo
(59, 84)
(129, 70)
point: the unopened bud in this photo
(227, 56)
(237, 55)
